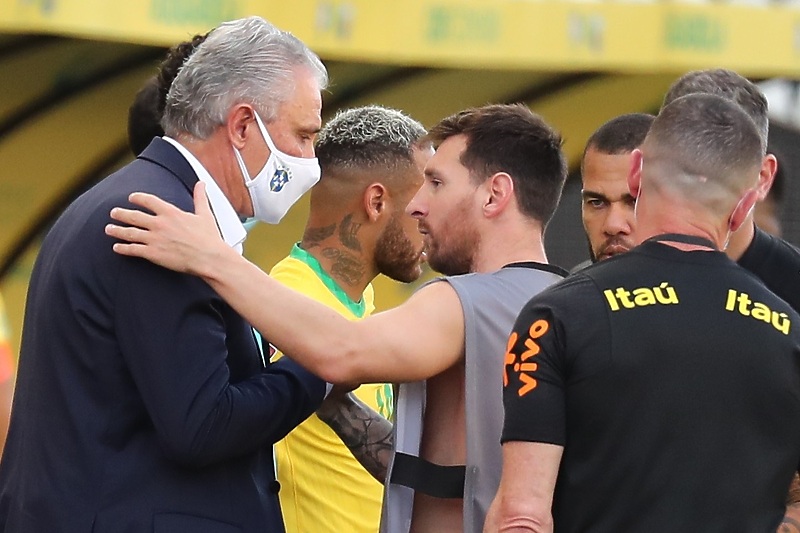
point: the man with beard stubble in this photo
(770, 258)
(606, 203)
(372, 162)
(677, 415)
(489, 191)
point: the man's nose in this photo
(415, 206)
(619, 220)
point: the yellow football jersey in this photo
(323, 488)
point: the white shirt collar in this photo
(228, 222)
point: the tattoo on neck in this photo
(313, 236)
(345, 267)
(348, 233)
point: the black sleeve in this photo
(560, 338)
(777, 264)
(534, 377)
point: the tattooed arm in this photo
(366, 434)
(791, 520)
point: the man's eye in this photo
(595, 203)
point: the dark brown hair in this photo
(510, 138)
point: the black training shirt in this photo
(672, 379)
(777, 264)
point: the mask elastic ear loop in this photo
(246, 175)
(265, 134)
(279, 154)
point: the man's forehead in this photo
(448, 154)
(606, 176)
(304, 104)
(599, 165)
(453, 146)
(606, 185)
(422, 155)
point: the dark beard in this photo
(454, 254)
(395, 256)
(457, 256)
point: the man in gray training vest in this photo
(489, 191)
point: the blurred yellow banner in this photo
(535, 34)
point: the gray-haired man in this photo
(143, 402)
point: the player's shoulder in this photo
(770, 250)
(572, 293)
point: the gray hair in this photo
(368, 137)
(246, 60)
(729, 85)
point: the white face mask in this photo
(282, 181)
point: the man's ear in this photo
(635, 173)
(500, 188)
(743, 208)
(240, 123)
(766, 176)
(375, 201)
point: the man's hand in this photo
(170, 237)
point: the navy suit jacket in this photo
(142, 403)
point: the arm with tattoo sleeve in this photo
(366, 433)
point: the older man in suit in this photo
(143, 402)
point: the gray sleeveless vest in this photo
(491, 303)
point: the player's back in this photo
(683, 395)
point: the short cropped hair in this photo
(511, 138)
(246, 60)
(620, 135)
(367, 138)
(728, 85)
(707, 144)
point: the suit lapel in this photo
(166, 156)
